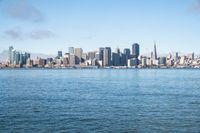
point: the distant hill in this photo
(35, 55)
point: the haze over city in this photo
(48, 26)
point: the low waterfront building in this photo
(156, 62)
(144, 61)
(132, 62)
(183, 60)
(39, 62)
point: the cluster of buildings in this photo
(104, 57)
(169, 61)
(17, 58)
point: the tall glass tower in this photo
(10, 54)
(107, 56)
(71, 50)
(135, 50)
(155, 52)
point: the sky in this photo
(46, 26)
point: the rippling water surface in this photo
(131, 100)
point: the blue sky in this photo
(46, 26)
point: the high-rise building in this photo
(49, 60)
(115, 59)
(72, 60)
(91, 55)
(183, 60)
(135, 50)
(155, 52)
(13, 56)
(118, 50)
(78, 54)
(101, 50)
(107, 56)
(191, 56)
(59, 54)
(21, 59)
(176, 56)
(94, 62)
(28, 55)
(71, 50)
(97, 56)
(84, 56)
(65, 61)
(144, 61)
(29, 63)
(10, 54)
(39, 62)
(123, 60)
(127, 52)
(18, 58)
(162, 61)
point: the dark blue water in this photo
(132, 100)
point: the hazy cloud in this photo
(38, 35)
(14, 34)
(197, 6)
(19, 34)
(21, 9)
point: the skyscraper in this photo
(13, 54)
(118, 50)
(21, 58)
(162, 61)
(144, 61)
(123, 58)
(91, 55)
(115, 59)
(10, 54)
(71, 50)
(78, 54)
(18, 58)
(127, 53)
(27, 56)
(107, 56)
(135, 50)
(59, 54)
(155, 52)
(101, 50)
(72, 60)
(176, 56)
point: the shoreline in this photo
(92, 68)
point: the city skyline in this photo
(44, 28)
(103, 58)
(122, 50)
